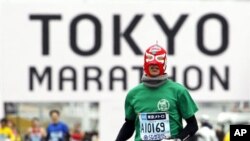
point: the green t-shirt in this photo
(171, 98)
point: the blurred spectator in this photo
(220, 133)
(14, 129)
(6, 133)
(35, 132)
(88, 136)
(91, 136)
(12, 126)
(206, 131)
(76, 134)
(242, 106)
(95, 137)
(57, 130)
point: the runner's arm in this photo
(66, 133)
(126, 131)
(48, 134)
(190, 129)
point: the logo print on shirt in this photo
(163, 105)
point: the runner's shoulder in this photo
(176, 85)
(136, 89)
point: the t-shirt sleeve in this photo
(48, 133)
(65, 128)
(129, 109)
(187, 106)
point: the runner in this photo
(155, 108)
(57, 130)
(6, 133)
(36, 132)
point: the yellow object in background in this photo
(6, 132)
(227, 137)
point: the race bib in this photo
(154, 126)
(56, 136)
(34, 137)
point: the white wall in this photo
(1, 107)
(1, 78)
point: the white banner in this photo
(85, 50)
(94, 52)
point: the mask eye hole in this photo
(149, 57)
(160, 58)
